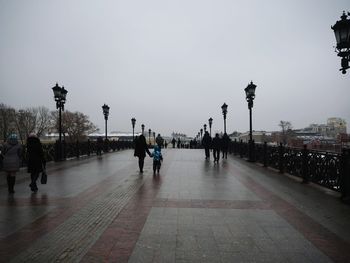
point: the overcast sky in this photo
(172, 64)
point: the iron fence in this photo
(329, 169)
(77, 149)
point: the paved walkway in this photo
(100, 209)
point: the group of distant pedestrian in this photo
(217, 144)
(12, 155)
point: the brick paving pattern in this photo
(103, 210)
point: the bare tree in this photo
(25, 120)
(7, 120)
(286, 128)
(43, 120)
(74, 124)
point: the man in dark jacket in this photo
(216, 145)
(225, 141)
(35, 159)
(206, 142)
(140, 150)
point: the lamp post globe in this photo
(105, 109)
(250, 96)
(224, 113)
(133, 122)
(342, 35)
(210, 123)
(60, 94)
(143, 128)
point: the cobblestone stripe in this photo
(117, 243)
(71, 240)
(200, 203)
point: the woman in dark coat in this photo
(35, 159)
(140, 150)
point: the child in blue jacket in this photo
(157, 158)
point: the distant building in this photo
(333, 128)
(257, 136)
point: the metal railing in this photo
(86, 148)
(329, 169)
(77, 149)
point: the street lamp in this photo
(143, 128)
(224, 112)
(154, 138)
(342, 35)
(149, 136)
(60, 94)
(250, 96)
(201, 130)
(133, 121)
(210, 123)
(105, 109)
(205, 128)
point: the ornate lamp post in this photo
(60, 94)
(250, 96)
(105, 109)
(210, 123)
(133, 121)
(143, 128)
(224, 112)
(154, 138)
(342, 35)
(201, 130)
(149, 136)
(205, 127)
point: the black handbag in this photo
(43, 179)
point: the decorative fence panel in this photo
(329, 169)
(77, 149)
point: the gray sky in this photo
(172, 64)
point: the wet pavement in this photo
(101, 209)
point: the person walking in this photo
(140, 150)
(216, 145)
(157, 158)
(35, 160)
(12, 153)
(225, 141)
(99, 146)
(160, 141)
(173, 141)
(206, 142)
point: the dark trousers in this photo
(224, 153)
(11, 180)
(34, 177)
(141, 163)
(207, 152)
(156, 165)
(216, 154)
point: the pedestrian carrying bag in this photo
(43, 179)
